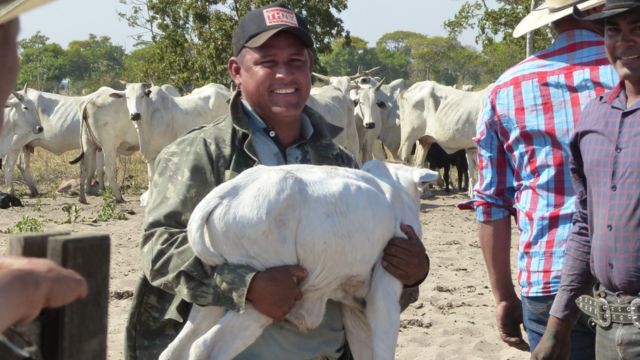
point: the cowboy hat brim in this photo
(605, 13)
(11, 9)
(541, 16)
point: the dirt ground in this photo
(453, 318)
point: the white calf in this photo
(320, 217)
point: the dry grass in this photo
(49, 170)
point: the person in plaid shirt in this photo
(605, 168)
(523, 149)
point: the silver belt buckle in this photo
(634, 312)
(603, 312)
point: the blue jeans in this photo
(535, 313)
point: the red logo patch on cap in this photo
(279, 16)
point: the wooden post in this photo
(78, 330)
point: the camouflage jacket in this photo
(186, 171)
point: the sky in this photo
(67, 20)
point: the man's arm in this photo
(493, 199)
(186, 171)
(495, 241)
(28, 285)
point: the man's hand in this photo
(275, 291)
(556, 341)
(509, 319)
(406, 259)
(27, 285)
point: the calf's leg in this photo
(383, 312)
(201, 319)
(233, 333)
(357, 332)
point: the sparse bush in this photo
(109, 209)
(73, 213)
(29, 224)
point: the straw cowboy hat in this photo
(11, 9)
(611, 8)
(550, 11)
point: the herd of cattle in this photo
(379, 121)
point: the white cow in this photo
(21, 125)
(318, 217)
(105, 127)
(160, 118)
(369, 111)
(60, 117)
(337, 109)
(431, 112)
(390, 133)
(378, 118)
(170, 89)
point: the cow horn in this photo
(379, 84)
(321, 77)
(24, 89)
(18, 96)
(357, 74)
(368, 72)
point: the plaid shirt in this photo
(523, 136)
(605, 239)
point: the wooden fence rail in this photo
(77, 331)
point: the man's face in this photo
(8, 60)
(275, 78)
(622, 43)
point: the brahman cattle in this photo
(431, 112)
(21, 125)
(160, 118)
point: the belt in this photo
(603, 313)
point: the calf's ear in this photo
(425, 176)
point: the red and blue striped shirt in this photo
(523, 149)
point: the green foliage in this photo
(191, 39)
(29, 224)
(42, 64)
(494, 28)
(95, 62)
(73, 213)
(109, 209)
(87, 63)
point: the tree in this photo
(437, 58)
(346, 55)
(495, 28)
(192, 38)
(94, 62)
(42, 64)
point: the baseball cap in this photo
(257, 26)
(11, 9)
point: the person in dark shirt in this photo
(604, 249)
